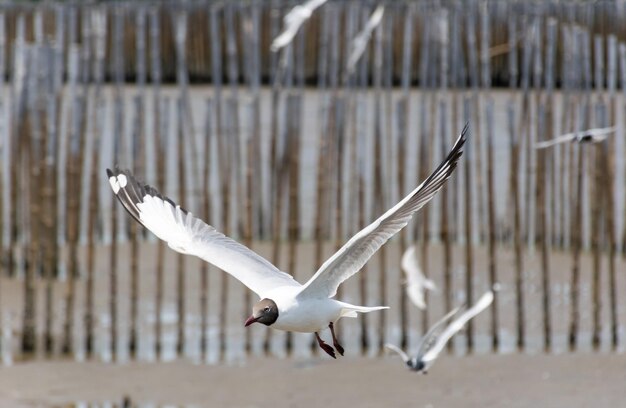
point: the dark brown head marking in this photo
(265, 311)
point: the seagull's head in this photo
(416, 365)
(265, 311)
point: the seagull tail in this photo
(349, 310)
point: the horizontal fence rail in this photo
(292, 153)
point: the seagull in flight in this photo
(416, 282)
(437, 337)
(293, 20)
(284, 303)
(586, 136)
(359, 43)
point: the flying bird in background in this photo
(359, 43)
(416, 282)
(586, 136)
(437, 337)
(284, 303)
(293, 20)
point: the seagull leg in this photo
(325, 346)
(338, 347)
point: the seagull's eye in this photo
(267, 309)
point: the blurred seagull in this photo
(359, 43)
(416, 282)
(285, 304)
(586, 136)
(437, 337)
(293, 20)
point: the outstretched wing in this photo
(484, 301)
(359, 43)
(397, 350)
(293, 20)
(416, 282)
(431, 336)
(602, 131)
(568, 137)
(187, 234)
(359, 249)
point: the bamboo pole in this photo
(294, 111)
(608, 153)
(27, 154)
(597, 204)
(180, 258)
(443, 26)
(596, 221)
(457, 81)
(622, 65)
(207, 214)
(541, 232)
(361, 222)
(517, 233)
(118, 63)
(378, 190)
(162, 148)
(232, 73)
(217, 75)
(138, 154)
(524, 133)
(551, 166)
(98, 21)
(562, 201)
(225, 176)
(469, 253)
(161, 129)
(19, 67)
(322, 149)
(403, 135)
(359, 170)
(74, 150)
(53, 171)
(491, 217)
(421, 227)
(472, 47)
(253, 180)
(401, 132)
(4, 172)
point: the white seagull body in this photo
(285, 304)
(586, 136)
(416, 282)
(359, 43)
(435, 339)
(293, 20)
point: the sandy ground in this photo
(578, 380)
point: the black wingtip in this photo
(457, 150)
(463, 137)
(133, 191)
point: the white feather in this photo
(187, 234)
(416, 282)
(359, 43)
(358, 250)
(114, 184)
(596, 134)
(398, 351)
(456, 325)
(293, 20)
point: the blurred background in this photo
(292, 152)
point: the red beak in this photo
(250, 320)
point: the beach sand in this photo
(567, 380)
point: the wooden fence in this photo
(291, 155)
